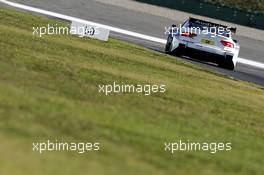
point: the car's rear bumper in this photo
(203, 55)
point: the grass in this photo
(49, 91)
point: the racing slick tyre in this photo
(168, 44)
(227, 63)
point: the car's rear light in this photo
(187, 34)
(227, 44)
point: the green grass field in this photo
(49, 91)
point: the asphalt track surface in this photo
(150, 25)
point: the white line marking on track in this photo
(114, 29)
(251, 63)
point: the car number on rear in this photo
(206, 41)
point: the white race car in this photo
(204, 40)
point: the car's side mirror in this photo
(235, 40)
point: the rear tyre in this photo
(227, 63)
(168, 44)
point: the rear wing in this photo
(211, 24)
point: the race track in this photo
(150, 25)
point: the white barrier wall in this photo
(84, 30)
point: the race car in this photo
(204, 40)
